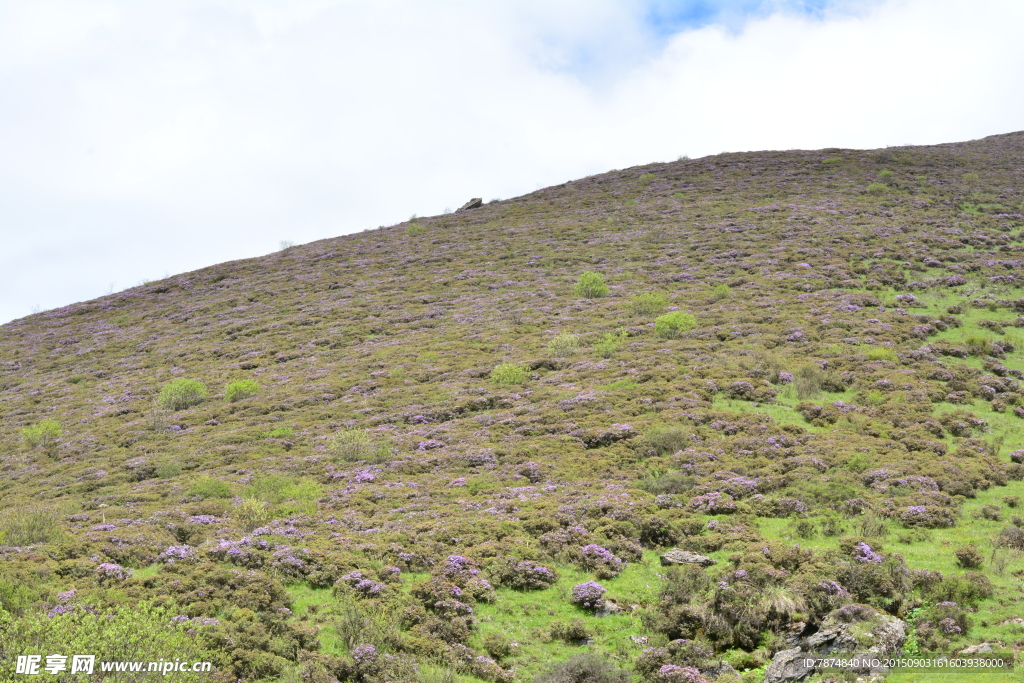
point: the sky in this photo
(143, 139)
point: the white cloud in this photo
(156, 137)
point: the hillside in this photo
(447, 429)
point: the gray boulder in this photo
(978, 649)
(852, 631)
(473, 203)
(677, 556)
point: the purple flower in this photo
(176, 552)
(109, 570)
(203, 519)
(364, 654)
(863, 553)
(588, 595)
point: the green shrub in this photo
(885, 175)
(352, 445)
(278, 433)
(243, 388)
(968, 556)
(591, 285)
(136, 633)
(279, 488)
(168, 469)
(721, 292)
(572, 632)
(880, 353)
(667, 440)
(673, 325)
(609, 343)
(29, 527)
(509, 373)
(43, 435)
(181, 394)
(648, 303)
(564, 344)
(15, 595)
(877, 188)
(499, 646)
(970, 177)
(252, 513)
(414, 229)
(208, 487)
(832, 160)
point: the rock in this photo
(639, 640)
(677, 556)
(789, 665)
(848, 631)
(721, 671)
(471, 204)
(976, 649)
(609, 607)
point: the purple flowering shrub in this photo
(678, 662)
(714, 503)
(943, 623)
(108, 572)
(600, 561)
(177, 553)
(926, 516)
(362, 585)
(588, 595)
(522, 574)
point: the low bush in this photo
(353, 445)
(522, 575)
(563, 345)
(674, 325)
(968, 557)
(880, 353)
(241, 389)
(45, 434)
(591, 285)
(587, 595)
(252, 513)
(167, 470)
(509, 373)
(609, 343)
(584, 668)
(209, 487)
(136, 633)
(876, 188)
(181, 394)
(31, 527)
(721, 292)
(573, 631)
(601, 561)
(648, 303)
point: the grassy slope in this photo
(394, 331)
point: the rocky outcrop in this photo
(850, 632)
(677, 556)
(473, 203)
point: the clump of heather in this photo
(522, 574)
(600, 561)
(588, 595)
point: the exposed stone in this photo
(976, 649)
(677, 556)
(851, 631)
(473, 203)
